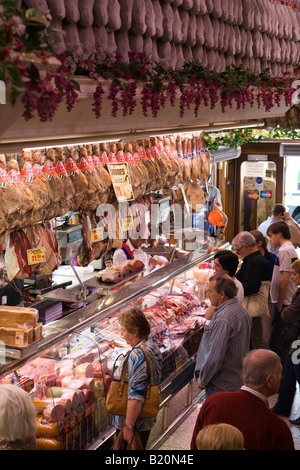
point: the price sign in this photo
(76, 348)
(121, 181)
(36, 255)
(126, 224)
(97, 234)
(62, 352)
(27, 384)
(178, 362)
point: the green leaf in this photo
(34, 16)
(14, 74)
(77, 86)
(59, 31)
(13, 94)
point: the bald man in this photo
(247, 409)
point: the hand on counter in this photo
(209, 313)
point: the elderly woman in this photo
(17, 419)
(135, 330)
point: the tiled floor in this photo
(180, 439)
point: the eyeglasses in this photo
(238, 251)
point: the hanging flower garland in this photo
(29, 68)
(32, 72)
(193, 84)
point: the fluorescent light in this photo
(69, 145)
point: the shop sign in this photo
(121, 181)
(259, 183)
(248, 183)
(253, 195)
(266, 194)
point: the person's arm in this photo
(220, 230)
(291, 313)
(283, 284)
(250, 279)
(209, 313)
(294, 229)
(218, 341)
(137, 370)
(133, 410)
(119, 257)
(155, 262)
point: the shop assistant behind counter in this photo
(132, 249)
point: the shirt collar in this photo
(256, 393)
(131, 247)
(128, 242)
(227, 302)
(286, 243)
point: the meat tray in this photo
(94, 282)
(63, 295)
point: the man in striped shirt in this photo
(225, 341)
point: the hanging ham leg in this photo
(16, 205)
(16, 256)
(86, 252)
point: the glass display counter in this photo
(68, 372)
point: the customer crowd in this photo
(238, 363)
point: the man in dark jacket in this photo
(253, 271)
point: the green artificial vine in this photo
(239, 137)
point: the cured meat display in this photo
(19, 326)
(68, 383)
(47, 184)
(16, 205)
(57, 159)
(37, 237)
(117, 272)
(102, 173)
(91, 196)
(42, 193)
(94, 246)
(78, 179)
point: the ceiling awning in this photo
(289, 149)
(225, 153)
(81, 126)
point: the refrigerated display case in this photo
(68, 371)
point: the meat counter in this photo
(68, 371)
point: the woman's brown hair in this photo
(296, 266)
(134, 319)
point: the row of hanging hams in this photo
(160, 162)
(44, 186)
